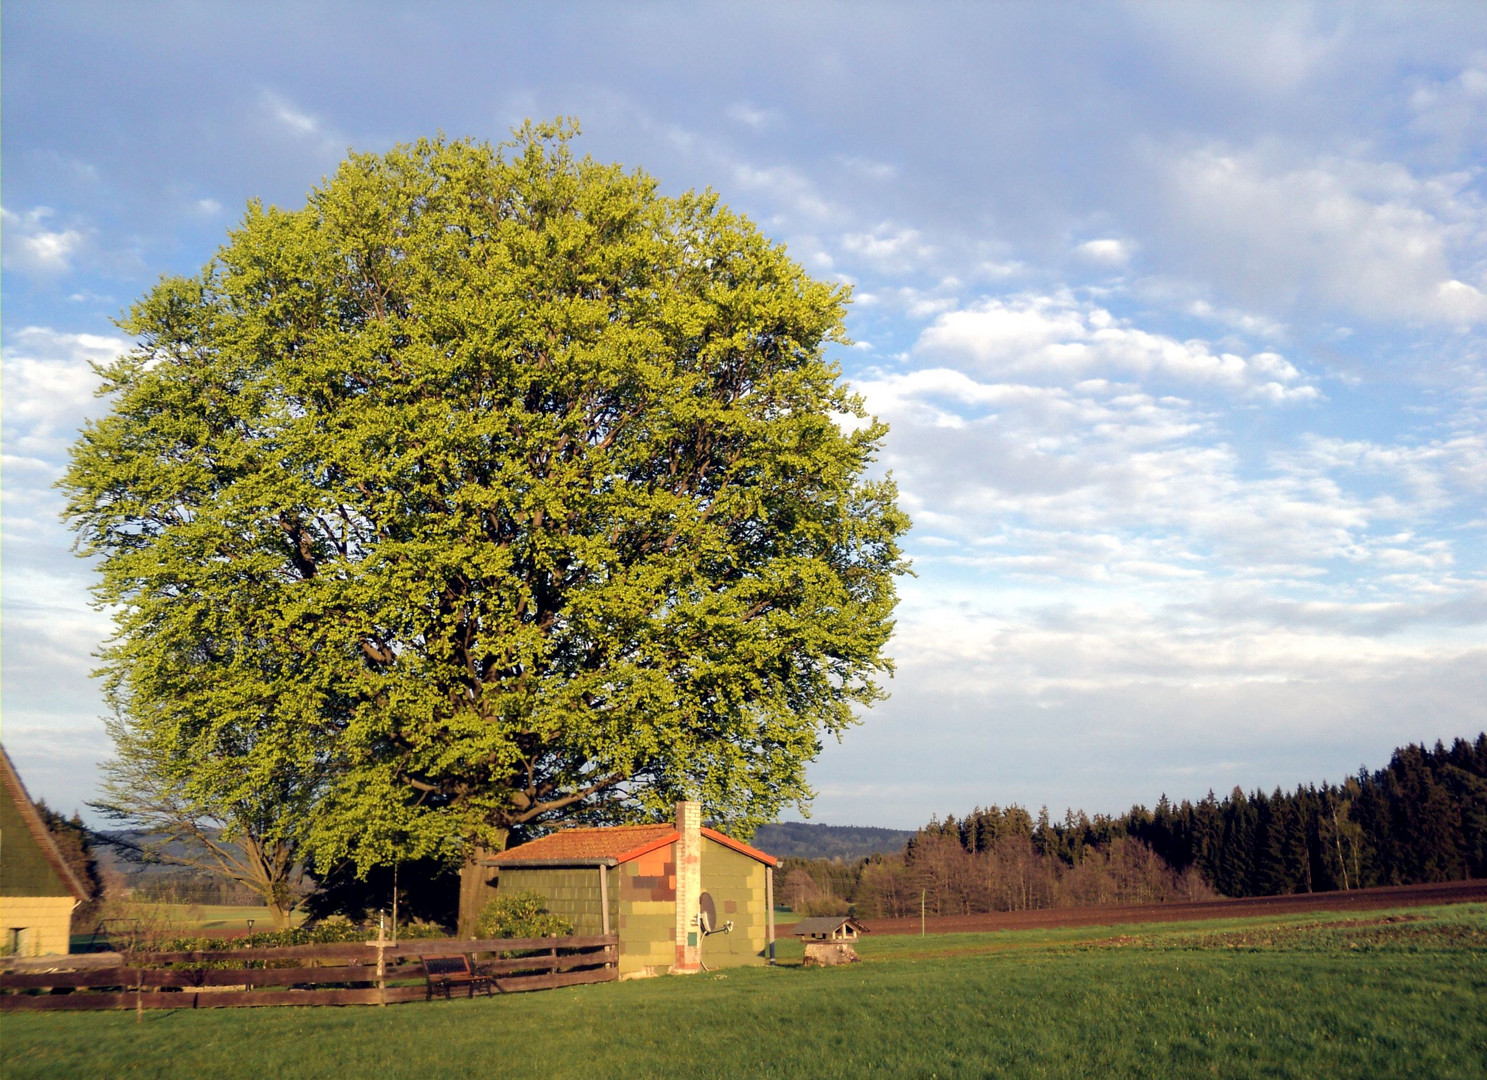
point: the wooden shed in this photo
(829, 928)
(682, 898)
(38, 890)
(828, 941)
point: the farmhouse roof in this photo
(827, 925)
(30, 878)
(607, 846)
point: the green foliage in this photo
(490, 487)
(325, 932)
(335, 928)
(520, 915)
(421, 930)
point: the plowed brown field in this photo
(1451, 892)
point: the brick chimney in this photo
(688, 888)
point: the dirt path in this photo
(1452, 892)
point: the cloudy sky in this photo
(1178, 314)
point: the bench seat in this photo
(446, 972)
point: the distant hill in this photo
(161, 880)
(804, 840)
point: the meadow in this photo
(1398, 993)
(152, 920)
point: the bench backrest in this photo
(446, 965)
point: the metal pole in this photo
(604, 900)
(769, 909)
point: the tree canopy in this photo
(490, 488)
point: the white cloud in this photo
(889, 247)
(1454, 111)
(288, 116)
(31, 247)
(51, 632)
(1059, 337)
(1247, 322)
(49, 387)
(1105, 252)
(1367, 238)
(750, 117)
(873, 170)
(1040, 470)
(1183, 703)
(790, 187)
(1263, 50)
(917, 304)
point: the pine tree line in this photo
(1422, 818)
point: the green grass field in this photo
(176, 920)
(1387, 994)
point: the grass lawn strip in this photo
(1292, 997)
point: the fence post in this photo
(381, 944)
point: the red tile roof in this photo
(618, 842)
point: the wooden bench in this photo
(446, 972)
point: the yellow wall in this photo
(647, 925)
(736, 884)
(642, 898)
(35, 925)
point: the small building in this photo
(682, 898)
(38, 890)
(829, 928)
(828, 940)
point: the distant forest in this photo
(1422, 818)
(798, 839)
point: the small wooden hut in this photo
(682, 898)
(38, 890)
(828, 939)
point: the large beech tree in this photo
(491, 488)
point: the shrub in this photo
(520, 915)
(421, 930)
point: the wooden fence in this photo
(376, 973)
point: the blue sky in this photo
(1178, 314)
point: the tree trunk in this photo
(477, 886)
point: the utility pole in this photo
(921, 912)
(395, 902)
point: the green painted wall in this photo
(24, 867)
(572, 893)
